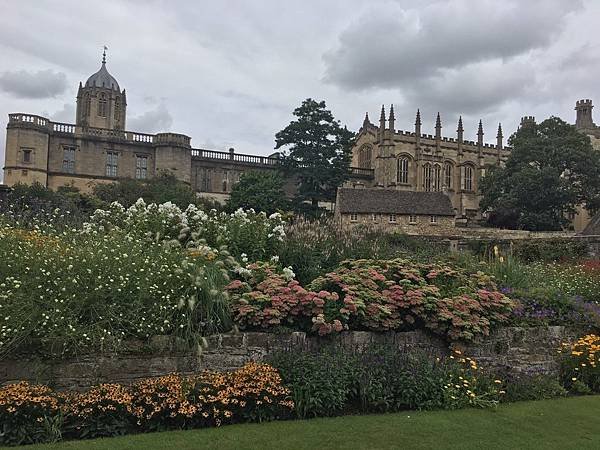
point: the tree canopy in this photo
(551, 170)
(317, 149)
(160, 189)
(262, 191)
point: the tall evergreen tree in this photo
(318, 150)
(551, 170)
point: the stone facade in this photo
(512, 349)
(419, 213)
(414, 161)
(421, 225)
(98, 149)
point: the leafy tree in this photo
(551, 170)
(318, 152)
(66, 206)
(262, 191)
(163, 188)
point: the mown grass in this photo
(572, 423)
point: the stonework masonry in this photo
(416, 161)
(516, 350)
(97, 148)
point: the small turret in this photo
(382, 123)
(460, 134)
(391, 121)
(527, 121)
(499, 137)
(584, 114)
(480, 134)
(438, 127)
(366, 122)
(418, 129)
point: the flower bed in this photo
(373, 295)
(33, 413)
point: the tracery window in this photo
(467, 178)
(437, 178)
(448, 175)
(427, 177)
(102, 105)
(402, 174)
(364, 157)
(117, 109)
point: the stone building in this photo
(410, 212)
(415, 161)
(98, 149)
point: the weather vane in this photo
(104, 55)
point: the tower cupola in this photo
(100, 102)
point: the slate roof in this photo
(592, 228)
(392, 201)
(102, 79)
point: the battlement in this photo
(527, 121)
(586, 103)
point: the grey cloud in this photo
(474, 88)
(390, 46)
(66, 114)
(40, 84)
(153, 121)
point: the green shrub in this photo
(313, 248)
(333, 380)
(322, 383)
(525, 387)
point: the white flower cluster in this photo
(244, 229)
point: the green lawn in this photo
(572, 423)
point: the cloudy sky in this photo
(230, 73)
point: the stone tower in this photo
(100, 102)
(584, 115)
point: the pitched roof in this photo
(592, 228)
(392, 201)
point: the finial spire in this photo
(366, 122)
(438, 121)
(392, 112)
(460, 125)
(104, 55)
(499, 130)
(382, 117)
(480, 129)
(418, 119)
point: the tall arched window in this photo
(364, 157)
(437, 178)
(402, 173)
(102, 105)
(88, 104)
(427, 175)
(117, 109)
(448, 175)
(467, 178)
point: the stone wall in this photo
(513, 349)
